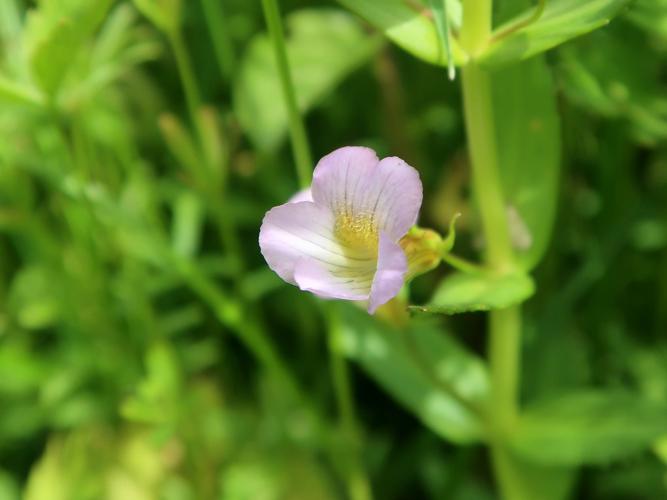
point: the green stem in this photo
(187, 75)
(219, 31)
(358, 484)
(504, 325)
(478, 106)
(298, 136)
(504, 354)
(463, 265)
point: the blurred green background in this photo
(146, 351)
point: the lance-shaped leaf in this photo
(562, 20)
(397, 363)
(529, 144)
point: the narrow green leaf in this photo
(409, 25)
(439, 9)
(461, 292)
(323, 47)
(562, 20)
(383, 352)
(588, 428)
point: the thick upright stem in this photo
(478, 106)
(504, 325)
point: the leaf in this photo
(56, 32)
(650, 15)
(157, 396)
(17, 93)
(323, 47)
(461, 292)
(188, 221)
(589, 427)
(33, 298)
(529, 144)
(528, 480)
(380, 349)
(164, 14)
(561, 21)
(408, 24)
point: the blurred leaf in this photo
(323, 47)
(187, 225)
(588, 428)
(9, 487)
(380, 349)
(651, 15)
(561, 21)
(408, 24)
(528, 135)
(164, 14)
(34, 299)
(461, 292)
(17, 93)
(532, 480)
(158, 394)
(56, 31)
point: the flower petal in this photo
(352, 181)
(313, 276)
(390, 275)
(303, 195)
(301, 235)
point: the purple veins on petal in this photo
(340, 238)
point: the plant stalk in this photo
(504, 344)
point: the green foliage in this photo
(561, 21)
(588, 428)
(146, 350)
(461, 292)
(323, 48)
(408, 25)
(55, 33)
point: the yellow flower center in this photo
(358, 233)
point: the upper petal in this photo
(351, 181)
(297, 240)
(390, 275)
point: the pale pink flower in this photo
(342, 240)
